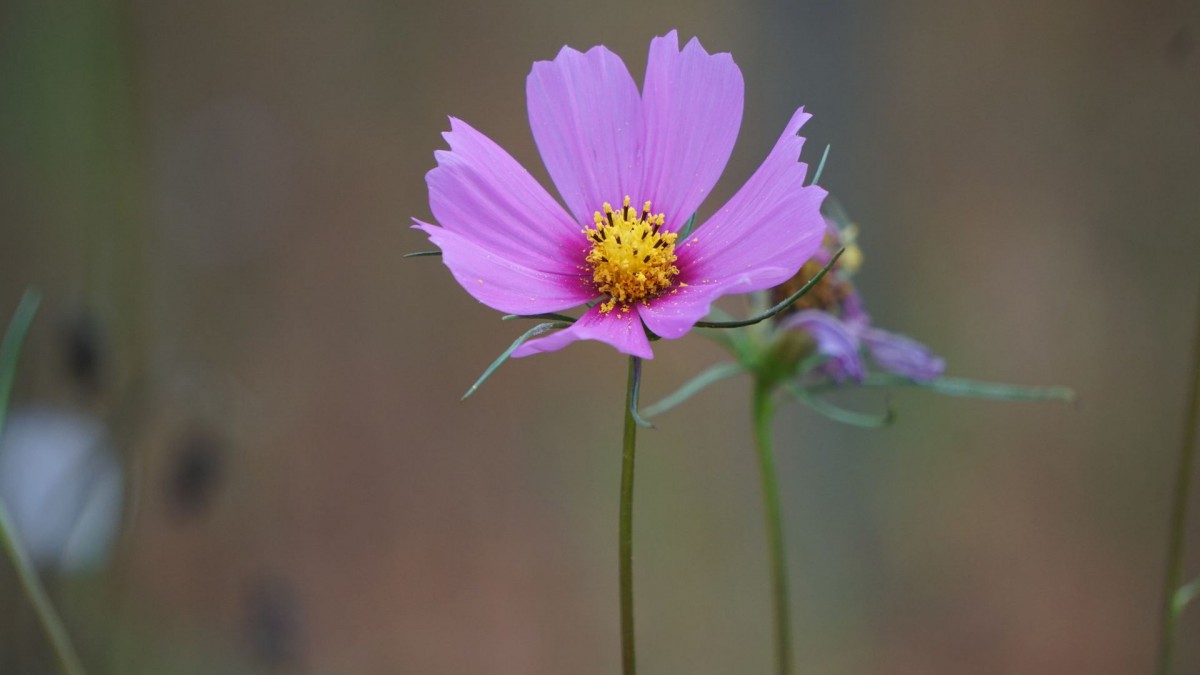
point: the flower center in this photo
(632, 259)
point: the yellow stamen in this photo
(632, 259)
(852, 259)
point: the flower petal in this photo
(586, 117)
(673, 314)
(622, 330)
(834, 339)
(502, 283)
(693, 108)
(768, 229)
(902, 355)
(478, 190)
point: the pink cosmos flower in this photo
(632, 167)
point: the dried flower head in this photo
(832, 315)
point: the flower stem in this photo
(56, 632)
(763, 415)
(10, 541)
(1175, 551)
(628, 660)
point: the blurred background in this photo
(237, 437)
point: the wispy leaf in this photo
(839, 414)
(10, 348)
(528, 335)
(687, 228)
(964, 388)
(694, 386)
(820, 166)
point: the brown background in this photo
(225, 188)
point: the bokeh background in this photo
(214, 198)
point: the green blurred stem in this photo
(1183, 475)
(764, 413)
(628, 659)
(27, 576)
(68, 660)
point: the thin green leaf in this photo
(955, 386)
(687, 228)
(27, 577)
(554, 316)
(694, 386)
(529, 334)
(820, 166)
(421, 254)
(635, 393)
(10, 348)
(781, 306)
(1185, 595)
(839, 414)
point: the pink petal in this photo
(622, 330)
(768, 229)
(834, 339)
(693, 108)
(586, 117)
(479, 191)
(674, 313)
(902, 355)
(505, 284)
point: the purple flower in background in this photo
(655, 155)
(832, 315)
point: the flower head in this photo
(831, 315)
(632, 168)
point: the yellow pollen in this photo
(632, 259)
(852, 259)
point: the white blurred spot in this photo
(62, 484)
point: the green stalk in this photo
(27, 576)
(56, 632)
(763, 414)
(628, 660)
(1175, 550)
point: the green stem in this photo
(1175, 550)
(763, 415)
(27, 576)
(628, 660)
(32, 585)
